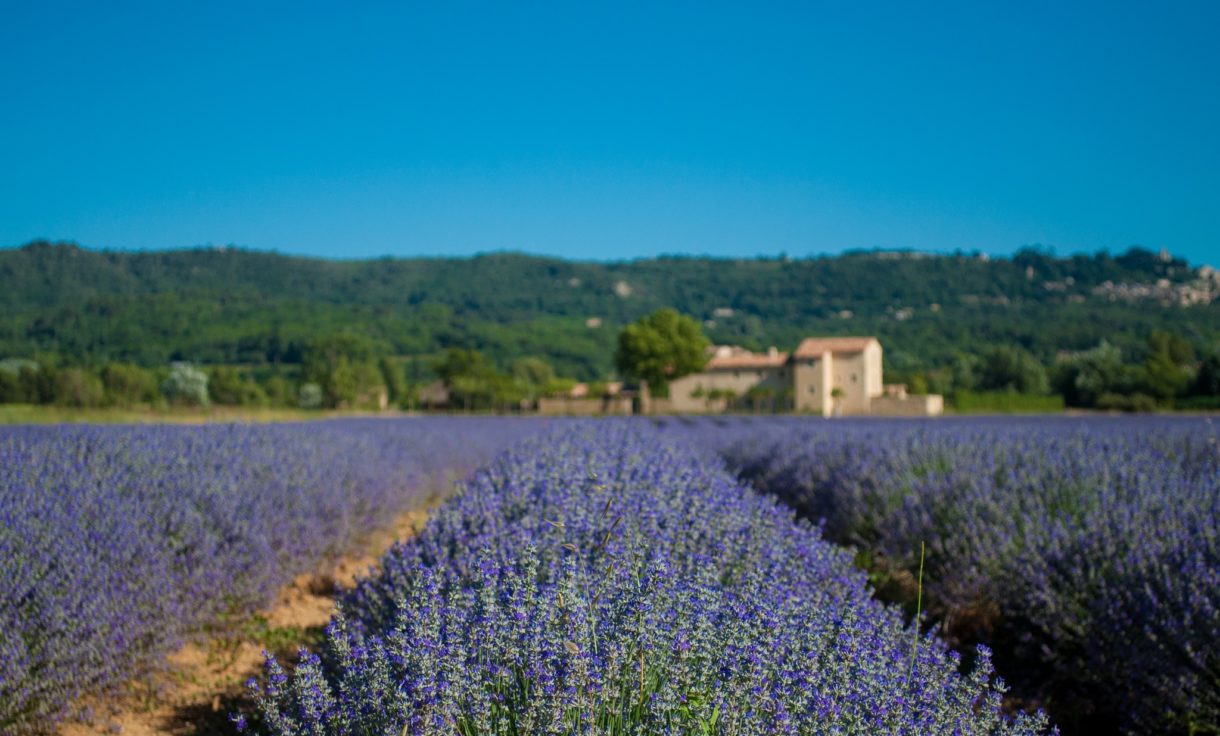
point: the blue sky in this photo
(612, 130)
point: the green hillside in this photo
(212, 306)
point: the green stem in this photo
(918, 608)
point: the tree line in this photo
(346, 370)
(337, 371)
(77, 307)
(1166, 374)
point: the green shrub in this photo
(78, 387)
(127, 384)
(1005, 402)
(1198, 403)
(310, 396)
(186, 384)
(228, 387)
(1136, 402)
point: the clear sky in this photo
(612, 130)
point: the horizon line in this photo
(973, 253)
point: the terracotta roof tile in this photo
(748, 360)
(812, 347)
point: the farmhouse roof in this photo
(748, 360)
(812, 347)
(434, 393)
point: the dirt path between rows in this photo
(202, 683)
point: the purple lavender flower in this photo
(1085, 550)
(601, 579)
(118, 542)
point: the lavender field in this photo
(116, 543)
(606, 579)
(708, 576)
(1084, 552)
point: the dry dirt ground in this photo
(202, 683)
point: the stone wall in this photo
(930, 405)
(560, 406)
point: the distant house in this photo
(433, 396)
(836, 375)
(378, 399)
(831, 376)
(734, 377)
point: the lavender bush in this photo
(1085, 551)
(116, 542)
(603, 580)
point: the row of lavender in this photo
(602, 579)
(1085, 551)
(117, 542)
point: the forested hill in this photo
(235, 306)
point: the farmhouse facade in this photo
(830, 376)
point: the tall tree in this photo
(661, 347)
(472, 380)
(395, 380)
(1166, 370)
(533, 375)
(1207, 380)
(1007, 368)
(1085, 377)
(344, 365)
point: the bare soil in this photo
(203, 683)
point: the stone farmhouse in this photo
(830, 376)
